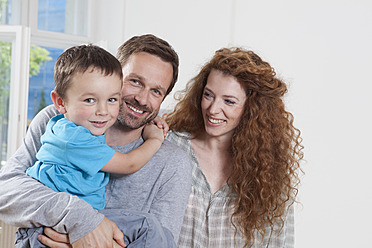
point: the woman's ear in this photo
(58, 102)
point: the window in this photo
(13, 87)
(52, 26)
(30, 30)
(63, 16)
(42, 59)
(57, 25)
(5, 10)
(5, 53)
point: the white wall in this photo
(323, 49)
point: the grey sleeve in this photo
(25, 202)
(170, 203)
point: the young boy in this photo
(74, 156)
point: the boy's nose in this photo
(102, 109)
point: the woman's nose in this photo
(214, 107)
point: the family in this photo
(98, 168)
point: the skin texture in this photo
(222, 104)
(146, 80)
(56, 240)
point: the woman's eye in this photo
(89, 100)
(229, 102)
(207, 94)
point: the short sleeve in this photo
(85, 151)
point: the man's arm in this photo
(25, 202)
(170, 202)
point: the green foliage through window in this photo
(38, 56)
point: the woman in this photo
(245, 151)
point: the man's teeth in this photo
(135, 110)
(215, 121)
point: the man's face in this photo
(146, 80)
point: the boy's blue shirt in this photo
(70, 160)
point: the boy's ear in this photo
(58, 102)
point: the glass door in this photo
(5, 58)
(14, 70)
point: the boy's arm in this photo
(25, 202)
(127, 163)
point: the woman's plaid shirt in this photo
(207, 219)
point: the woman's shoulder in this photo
(178, 138)
(175, 141)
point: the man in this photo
(161, 187)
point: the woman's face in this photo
(222, 104)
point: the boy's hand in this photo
(153, 132)
(161, 123)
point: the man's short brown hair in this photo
(151, 44)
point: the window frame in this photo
(54, 39)
(23, 32)
(19, 36)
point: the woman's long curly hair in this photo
(266, 147)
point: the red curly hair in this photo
(266, 146)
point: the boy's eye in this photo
(89, 100)
(112, 100)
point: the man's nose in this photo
(142, 97)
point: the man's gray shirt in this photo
(161, 188)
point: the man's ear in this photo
(58, 102)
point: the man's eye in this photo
(89, 100)
(157, 92)
(134, 81)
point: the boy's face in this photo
(92, 100)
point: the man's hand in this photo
(104, 235)
(54, 239)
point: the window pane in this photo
(42, 60)
(5, 60)
(64, 16)
(5, 10)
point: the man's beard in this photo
(133, 122)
